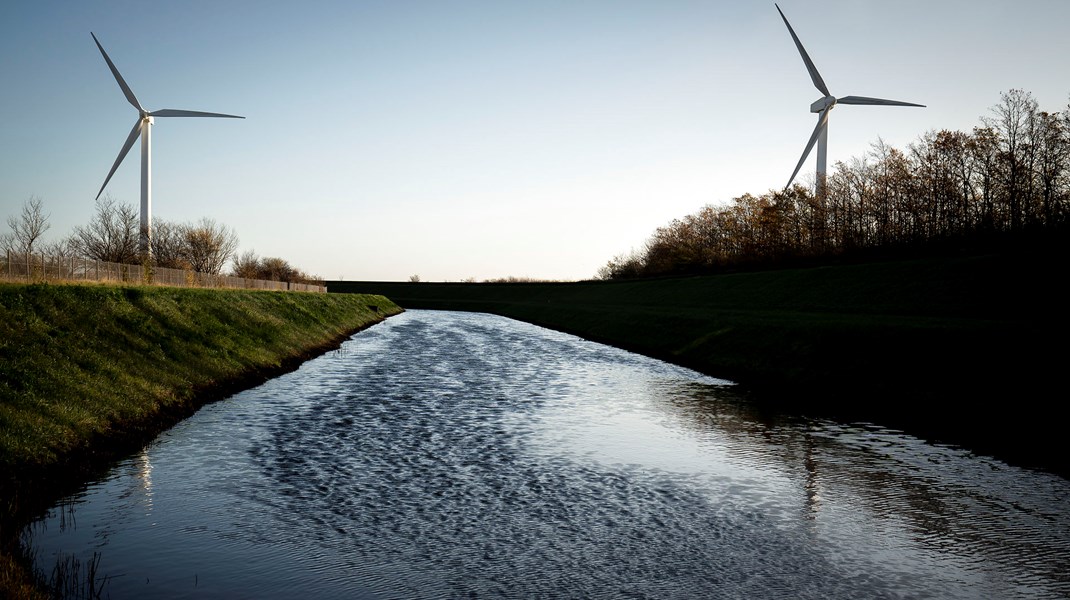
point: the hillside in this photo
(962, 349)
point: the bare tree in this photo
(27, 228)
(1053, 165)
(209, 246)
(247, 265)
(983, 151)
(1014, 119)
(168, 245)
(67, 247)
(112, 234)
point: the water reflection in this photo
(965, 514)
(143, 464)
(453, 454)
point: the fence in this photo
(35, 267)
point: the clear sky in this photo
(457, 139)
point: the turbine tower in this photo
(822, 106)
(143, 126)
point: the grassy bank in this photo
(90, 371)
(961, 349)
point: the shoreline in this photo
(134, 339)
(99, 453)
(952, 349)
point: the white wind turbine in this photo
(143, 126)
(822, 107)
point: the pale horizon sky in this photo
(483, 139)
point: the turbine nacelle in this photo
(823, 103)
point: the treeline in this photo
(113, 234)
(251, 266)
(1008, 178)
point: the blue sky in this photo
(483, 139)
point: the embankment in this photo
(88, 372)
(963, 350)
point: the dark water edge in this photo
(575, 470)
(955, 349)
(1016, 424)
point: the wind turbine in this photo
(143, 126)
(822, 106)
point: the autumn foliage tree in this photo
(251, 266)
(1008, 177)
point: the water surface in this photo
(444, 454)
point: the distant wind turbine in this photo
(822, 107)
(143, 126)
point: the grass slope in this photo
(959, 349)
(88, 371)
(80, 362)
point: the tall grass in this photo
(74, 579)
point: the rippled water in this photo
(445, 454)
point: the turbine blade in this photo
(814, 75)
(822, 122)
(874, 101)
(170, 112)
(130, 139)
(122, 84)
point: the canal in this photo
(447, 454)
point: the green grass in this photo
(960, 349)
(82, 362)
(90, 371)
